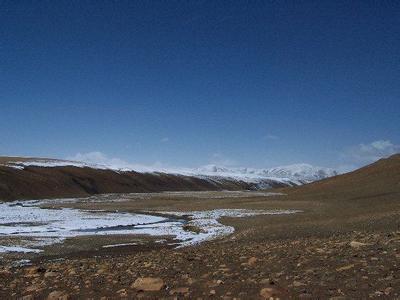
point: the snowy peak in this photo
(297, 172)
(211, 169)
(289, 175)
(301, 172)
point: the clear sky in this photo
(182, 83)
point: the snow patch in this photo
(38, 227)
(18, 249)
(42, 163)
(119, 245)
(209, 226)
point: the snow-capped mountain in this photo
(296, 174)
(304, 172)
(290, 175)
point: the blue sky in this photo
(183, 83)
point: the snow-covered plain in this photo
(36, 227)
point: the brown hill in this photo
(34, 182)
(379, 179)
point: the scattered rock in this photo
(34, 288)
(268, 293)
(179, 291)
(58, 295)
(122, 293)
(148, 284)
(297, 283)
(305, 296)
(50, 274)
(388, 290)
(344, 268)
(5, 273)
(31, 270)
(252, 261)
(357, 245)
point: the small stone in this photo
(388, 290)
(31, 270)
(265, 281)
(357, 245)
(305, 296)
(344, 268)
(101, 271)
(297, 283)
(179, 291)
(58, 295)
(50, 274)
(122, 292)
(5, 273)
(374, 258)
(267, 293)
(34, 288)
(148, 284)
(252, 261)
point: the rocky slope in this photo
(352, 266)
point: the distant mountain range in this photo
(295, 174)
(211, 177)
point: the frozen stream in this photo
(36, 227)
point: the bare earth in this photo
(344, 245)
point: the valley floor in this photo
(335, 248)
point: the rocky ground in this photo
(345, 266)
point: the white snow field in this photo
(36, 227)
